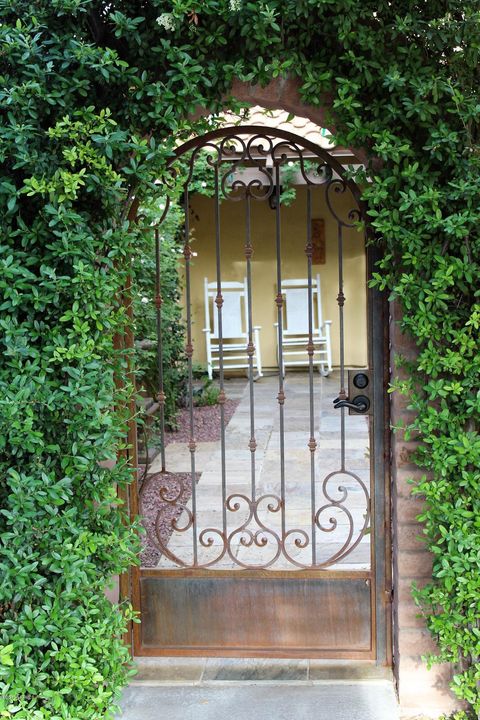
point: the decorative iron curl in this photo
(262, 536)
(210, 159)
(338, 504)
(236, 506)
(273, 507)
(174, 524)
(207, 541)
(260, 149)
(323, 169)
(163, 491)
(340, 186)
(301, 540)
(241, 190)
(259, 536)
(175, 521)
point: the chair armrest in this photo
(327, 322)
(206, 330)
(257, 327)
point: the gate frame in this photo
(378, 341)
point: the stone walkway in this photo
(336, 519)
(215, 689)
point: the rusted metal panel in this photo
(245, 614)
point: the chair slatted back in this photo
(296, 293)
(234, 309)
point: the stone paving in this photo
(219, 688)
(340, 516)
(356, 701)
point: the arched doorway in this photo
(270, 540)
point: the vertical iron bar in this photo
(158, 306)
(250, 347)
(221, 397)
(341, 301)
(312, 444)
(189, 352)
(279, 303)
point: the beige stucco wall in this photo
(294, 265)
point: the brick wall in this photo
(421, 691)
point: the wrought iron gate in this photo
(270, 539)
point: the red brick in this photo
(402, 476)
(409, 617)
(396, 315)
(400, 416)
(395, 310)
(403, 590)
(267, 97)
(422, 693)
(414, 564)
(412, 471)
(107, 464)
(283, 94)
(406, 481)
(425, 691)
(403, 483)
(409, 537)
(406, 417)
(413, 643)
(404, 452)
(404, 587)
(407, 508)
(403, 348)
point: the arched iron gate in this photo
(272, 540)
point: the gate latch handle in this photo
(360, 404)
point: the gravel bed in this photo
(157, 513)
(206, 423)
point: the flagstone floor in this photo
(243, 500)
(218, 688)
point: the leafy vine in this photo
(93, 96)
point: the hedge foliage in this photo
(92, 95)
(164, 212)
(145, 315)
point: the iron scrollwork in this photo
(248, 163)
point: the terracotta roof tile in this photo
(278, 119)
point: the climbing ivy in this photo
(144, 308)
(93, 95)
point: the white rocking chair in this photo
(295, 327)
(234, 329)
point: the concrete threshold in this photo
(241, 689)
(275, 701)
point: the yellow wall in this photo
(294, 265)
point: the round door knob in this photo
(361, 404)
(360, 380)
